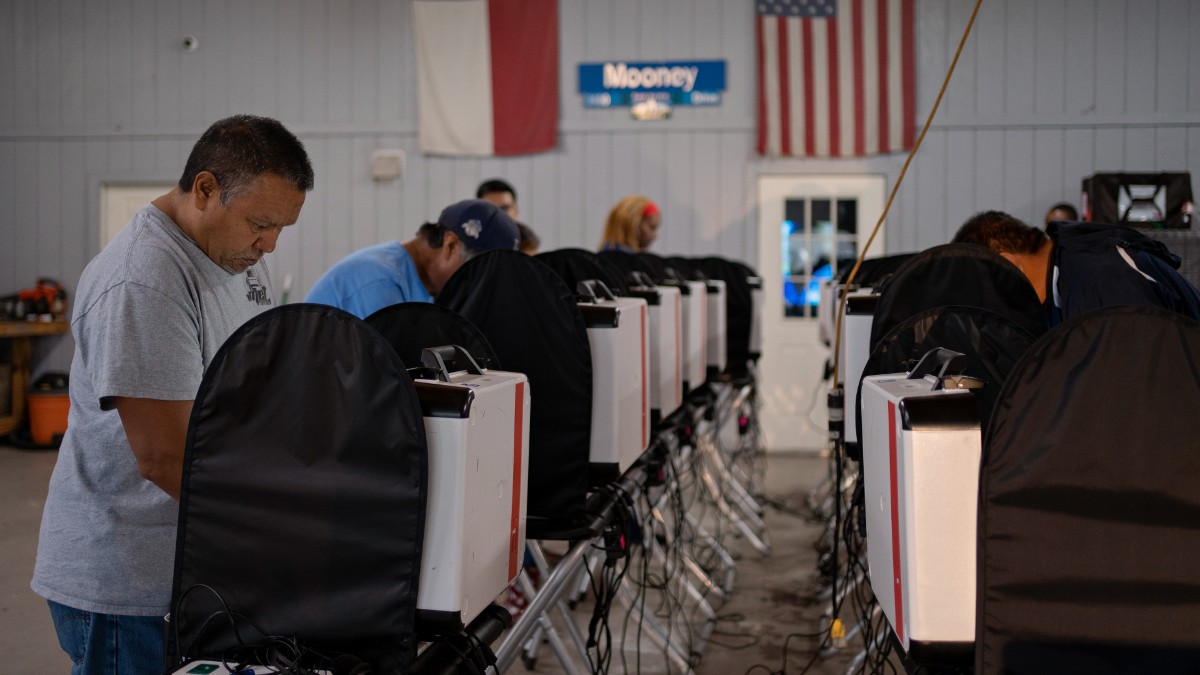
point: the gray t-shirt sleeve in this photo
(138, 342)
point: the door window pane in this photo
(796, 262)
(820, 238)
(847, 216)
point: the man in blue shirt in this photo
(383, 275)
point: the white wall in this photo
(1047, 92)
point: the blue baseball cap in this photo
(480, 225)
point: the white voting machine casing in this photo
(856, 350)
(828, 295)
(619, 335)
(695, 333)
(477, 429)
(921, 451)
(666, 347)
(756, 301)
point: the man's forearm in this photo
(157, 433)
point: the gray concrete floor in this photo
(773, 597)
(27, 640)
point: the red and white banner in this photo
(487, 76)
(836, 78)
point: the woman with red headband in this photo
(632, 225)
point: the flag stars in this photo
(805, 9)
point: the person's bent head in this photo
(1024, 246)
(1061, 212)
(462, 231)
(1000, 232)
(500, 193)
(243, 182)
(632, 225)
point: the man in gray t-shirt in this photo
(150, 313)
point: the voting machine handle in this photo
(944, 368)
(639, 279)
(449, 359)
(937, 362)
(594, 290)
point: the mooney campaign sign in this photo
(623, 83)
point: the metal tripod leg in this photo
(689, 562)
(657, 512)
(751, 509)
(659, 634)
(744, 496)
(552, 590)
(715, 546)
(682, 581)
(757, 540)
(539, 559)
(546, 627)
(877, 643)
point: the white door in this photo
(119, 202)
(809, 228)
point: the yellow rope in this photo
(841, 309)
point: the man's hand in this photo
(157, 432)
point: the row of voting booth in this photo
(1004, 497)
(358, 493)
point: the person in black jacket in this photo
(1078, 267)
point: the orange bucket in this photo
(48, 416)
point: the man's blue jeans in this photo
(108, 644)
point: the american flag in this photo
(836, 78)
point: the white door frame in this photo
(119, 201)
(793, 361)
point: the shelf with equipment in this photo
(21, 334)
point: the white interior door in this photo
(119, 202)
(809, 227)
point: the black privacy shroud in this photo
(874, 271)
(632, 262)
(411, 327)
(531, 319)
(957, 274)
(577, 264)
(1088, 544)
(991, 344)
(304, 486)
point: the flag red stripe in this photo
(762, 85)
(796, 68)
(810, 108)
(881, 27)
(860, 110)
(909, 73)
(835, 127)
(785, 104)
(524, 80)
